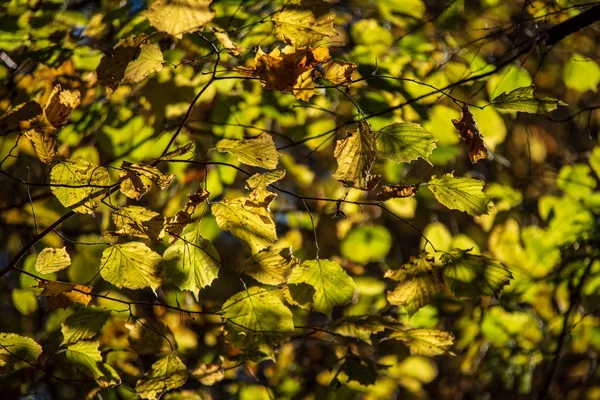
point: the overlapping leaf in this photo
(192, 262)
(355, 156)
(258, 151)
(86, 357)
(269, 266)
(523, 99)
(139, 222)
(302, 23)
(79, 185)
(85, 323)
(63, 294)
(264, 180)
(166, 374)
(322, 283)
(425, 342)
(177, 17)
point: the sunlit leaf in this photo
(366, 244)
(52, 260)
(17, 351)
(269, 266)
(396, 192)
(425, 342)
(302, 23)
(248, 219)
(152, 173)
(419, 281)
(264, 180)
(355, 156)
(179, 16)
(45, 144)
(464, 194)
(209, 374)
(469, 132)
(258, 151)
(230, 46)
(523, 99)
(86, 357)
(330, 283)
(112, 67)
(470, 275)
(85, 323)
(404, 142)
(131, 265)
(256, 316)
(581, 73)
(149, 61)
(338, 72)
(192, 262)
(167, 373)
(139, 222)
(80, 185)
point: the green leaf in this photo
(419, 281)
(264, 180)
(15, 348)
(24, 300)
(576, 181)
(425, 342)
(258, 151)
(131, 265)
(595, 160)
(52, 260)
(139, 222)
(168, 373)
(85, 323)
(581, 73)
(304, 23)
(192, 262)
(86, 184)
(366, 244)
(355, 156)
(179, 16)
(149, 61)
(464, 194)
(248, 219)
(405, 142)
(332, 285)
(523, 99)
(86, 357)
(469, 275)
(255, 317)
(511, 78)
(269, 266)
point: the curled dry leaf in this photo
(355, 156)
(397, 192)
(230, 46)
(469, 131)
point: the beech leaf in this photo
(302, 23)
(258, 151)
(355, 156)
(131, 265)
(523, 99)
(177, 17)
(464, 194)
(405, 142)
(52, 260)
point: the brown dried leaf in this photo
(62, 294)
(396, 191)
(468, 130)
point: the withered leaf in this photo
(355, 156)
(469, 131)
(62, 294)
(397, 191)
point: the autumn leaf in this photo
(270, 266)
(132, 265)
(355, 156)
(148, 61)
(85, 323)
(52, 260)
(177, 17)
(302, 23)
(258, 151)
(209, 374)
(425, 342)
(153, 174)
(263, 180)
(464, 194)
(230, 46)
(18, 351)
(469, 132)
(112, 67)
(139, 222)
(523, 99)
(63, 294)
(405, 142)
(396, 191)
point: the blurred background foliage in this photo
(542, 176)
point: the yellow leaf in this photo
(52, 260)
(166, 374)
(264, 180)
(139, 222)
(209, 374)
(269, 266)
(131, 265)
(60, 106)
(355, 156)
(177, 17)
(149, 172)
(302, 23)
(425, 342)
(63, 294)
(258, 151)
(149, 61)
(223, 37)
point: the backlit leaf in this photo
(302, 23)
(396, 192)
(581, 73)
(405, 142)
(248, 219)
(425, 342)
(148, 336)
(332, 285)
(85, 323)
(86, 357)
(255, 317)
(139, 222)
(209, 374)
(264, 180)
(523, 99)
(179, 16)
(192, 262)
(112, 67)
(229, 46)
(52, 260)
(15, 348)
(419, 281)
(45, 144)
(469, 132)
(258, 151)
(470, 275)
(269, 266)
(63, 294)
(131, 265)
(152, 173)
(464, 194)
(82, 184)
(149, 60)
(60, 106)
(366, 244)
(355, 156)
